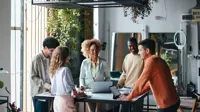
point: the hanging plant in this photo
(141, 11)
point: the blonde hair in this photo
(58, 59)
(85, 46)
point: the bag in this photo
(191, 90)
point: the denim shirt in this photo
(86, 76)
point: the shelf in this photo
(3, 101)
(49, 4)
(88, 3)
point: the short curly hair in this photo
(85, 46)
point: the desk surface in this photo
(3, 99)
(108, 98)
(97, 97)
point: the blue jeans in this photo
(136, 107)
(41, 106)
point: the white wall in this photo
(5, 21)
(174, 8)
(192, 70)
(114, 21)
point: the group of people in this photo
(142, 71)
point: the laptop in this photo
(101, 87)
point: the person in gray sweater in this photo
(40, 80)
(132, 68)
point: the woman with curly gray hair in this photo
(93, 68)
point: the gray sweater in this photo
(38, 84)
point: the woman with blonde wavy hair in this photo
(62, 83)
(93, 68)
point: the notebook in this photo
(101, 86)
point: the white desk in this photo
(95, 98)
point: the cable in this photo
(165, 10)
(161, 17)
(36, 17)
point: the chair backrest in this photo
(188, 102)
(194, 106)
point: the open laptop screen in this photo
(101, 86)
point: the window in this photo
(34, 33)
(15, 51)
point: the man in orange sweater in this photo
(155, 77)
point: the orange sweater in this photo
(156, 76)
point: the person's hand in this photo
(75, 93)
(124, 94)
(82, 88)
(122, 97)
(82, 94)
(118, 86)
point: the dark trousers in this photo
(41, 106)
(136, 107)
(172, 108)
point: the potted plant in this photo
(1, 82)
(167, 58)
(13, 108)
(136, 11)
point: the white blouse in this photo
(62, 82)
